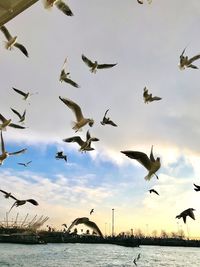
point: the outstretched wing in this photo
(140, 157)
(87, 61)
(74, 107)
(67, 80)
(191, 214)
(6, 32)
(16, 126)
(140, 2)
(193, 59)
(111, 123)
(106, 66)
(12, 206)
(32, 201)
(76, 139)
(2, 118)
(19, 91)
(156, 98)
(64, 8)
(21, 48)
(151, 155)
(2, 144)
(16, 112)
(18, 152)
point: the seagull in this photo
(60, 155)
(148, 97)
(94, 65)
(107, 120)
(64, 76)
(25, 95)
(12, 41)
(80, 120)
(197, 187)
(6, 194)
(136, 259)
(62, 6)
(153, 191)
(84, 145)
(25, 164)
(141, 1)
(6, 123)
(150, 164)
(64, 224)
(4, 154)
(185, 213)
(22, 117)
(186, 62)
(92, 210)
(22, 202)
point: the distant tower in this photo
(113, 221)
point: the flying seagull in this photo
(6, 123)
(12, 41)
(149, 163)
(60, 155)
(25, 95)
(148, 97)
(153, 191)
(94, 65)
(64, 76)
(186, 62)
(185, 213)
(62, 6)
(197, 187)
(64, 224)
(136, 259)
(141, 1)
(107, 120)
(22, 117)
(92, 210)
(84, 145)
(80, 120)
(22, 202)
(25, 164)
(4, 154)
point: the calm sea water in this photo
(87, 255)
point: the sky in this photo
(145, 41)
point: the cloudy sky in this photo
(146, 42)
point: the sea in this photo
(93, 255)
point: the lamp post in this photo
(113, 221)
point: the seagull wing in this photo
(182, 52)
(76, 139)
(21, 48)
(74, 107)
(87, 61)
(4, 192)
(2, 144)
(140, 157)
(111, 123)
(19, 91)
(16, 112)
(156, 98)
(197, 187)
(191, 214)
(64, 8)
(193, 58)
(28, 162)
(18, 152)
(2, 118)
(154, 191)
(67, 80)
(16, 126)
(6, 32)
(88, 136)
(32, 201)
(105, 66)
(140, 2)
(12, 206)
(151, 155)
(19, 163)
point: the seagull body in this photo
(148, 97)
(185, 213)
(186, 62)
(107, 120)
(153, 191)
(60, 155)
(4, 154)
(197, 187)
(25, 164)
(6, 123)
(21, 117)
(62, 6)
(92, 210)
(149, 163)
(84, 145)
(64, 76)
(80, 120)
(12, 41)
(94, 65)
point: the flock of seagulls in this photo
(151, 164)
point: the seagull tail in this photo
(75, 127)
(47, 5)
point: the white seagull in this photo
(61, 5)
(149, 163)
(25, 95)
(148, 97)
(6, 123)
(94, 65)
(12, 41)
(64, 76)
(22, 117)
(4, 154)
(80, 120)
(186, 62)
